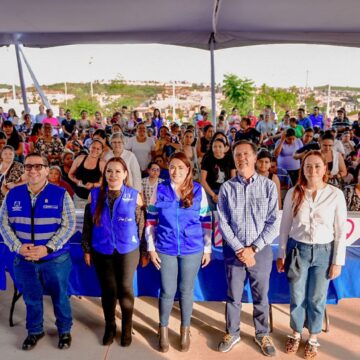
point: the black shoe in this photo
(31, 341)
(64, 341)
(109, 334)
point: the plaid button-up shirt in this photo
(248, 212)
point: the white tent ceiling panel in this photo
(43, 23)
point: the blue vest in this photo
(179, 230)
(120, 231)
(36, 224)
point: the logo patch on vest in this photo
(127, 197)
(125, 219)
(51, 207)
(17, 206)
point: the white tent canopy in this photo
(43, 23)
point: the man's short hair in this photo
(245, 142)
(301, 109)
(44, 159)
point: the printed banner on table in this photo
(352, 230)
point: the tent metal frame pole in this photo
(213, 89)
(21, 77)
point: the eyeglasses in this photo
(155, 170)
(37, 167)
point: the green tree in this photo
(82, 103)
(238, 93)
(311, 102)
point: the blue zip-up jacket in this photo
(36, 224)
(120, 231)
(179, 230)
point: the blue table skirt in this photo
(210, 284)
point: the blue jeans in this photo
(178, 272)
(50, 277)
(308, 293)
(259, 275)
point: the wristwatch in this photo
(255, 248)
(49, 249)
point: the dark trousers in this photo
(259, 274)
(116, 274)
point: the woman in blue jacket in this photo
(111, 237)
(178, 233)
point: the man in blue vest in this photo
(37, 220)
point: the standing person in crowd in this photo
(178, 206)
(51, 119)
(164, 172)
(308, 144)
(285, 123)
(142, 147)
(232, 136)
(263, 165)
(68, 125)
(151, 182)
(216, 167)
(222, 125)
(336, 168)
(312, 248)
(234, 119)
(11, 171)
(340, 122)
(348, 144)
(352, 192)
(190, 152)
(83, 123)
(246, 132)
(204, 143)
(285, 148)
(12, 116)
(317, 118)
(248, 214)
(299, 129)
(99, 122)
(161, 141)
(157, 121)
(86, 172)
(26, 126)
(100, 134)
(42, 263)
(41, 115)
(303, 120)
(267, 129)
(61, 115)
(49, 145)
(117, 142)
(14, 139)
(36, 132)
(113, 226)
(67, 160)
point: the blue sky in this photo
(276, 65)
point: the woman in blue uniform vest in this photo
(112, 229)
(178, 232)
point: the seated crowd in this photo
(69, 145)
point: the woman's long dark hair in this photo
(14, 139)
(187, 188)
(298, 195)
(103, 188)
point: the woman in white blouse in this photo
(312, 248)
